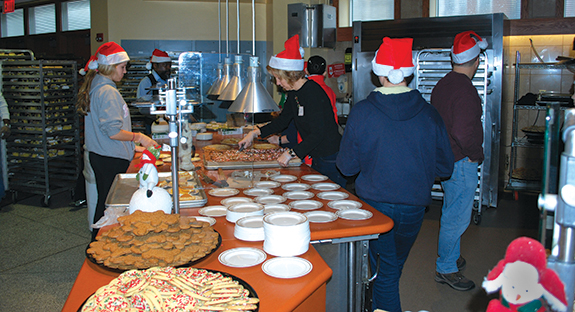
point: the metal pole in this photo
(562, 259)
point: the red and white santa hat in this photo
(466, 46)
(291, 58)
(525, 250)
(158, 56)
(86, 68)
(393, 59)
(110, 53)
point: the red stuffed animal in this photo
(524, 281)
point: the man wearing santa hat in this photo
(160, 65)
(459, 105)
(397, 144)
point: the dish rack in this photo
(43, 151)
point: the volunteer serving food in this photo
(309, 106)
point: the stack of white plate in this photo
(250, 228)
(286, 234)
(237, 211)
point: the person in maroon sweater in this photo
(458, 103)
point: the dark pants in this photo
(326, 166)
(393, 248)
(105, 169)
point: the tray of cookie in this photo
(258, 156)
(190, 189)
(148, 239)
(174, 289)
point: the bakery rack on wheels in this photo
(43, 153)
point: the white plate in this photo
(250, 228)
(354, 214)
(325, 186)
(320, 216)
(223, 192)
(235, 200)
(298, 195)
(296, 187)
(305, 204)
(314, 177)
(288, 218)
(344, 204)
(287, 267)
(271, 208)
(213, 211)
(267, 184)
(209, 220)
(258, 191)
(284, 178)
(333, 195)
(242, 257)
(270, 199)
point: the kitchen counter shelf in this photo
(43, 154)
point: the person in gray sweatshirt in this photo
(108, 127)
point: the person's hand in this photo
(5, 131)
(144, 140)
(140, 149)
(284, 159)
(248, 139)
(274, 139)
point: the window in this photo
(511, 8)
(569, 8)
(76, 15)
(13, 24)
(42, 19)
(371, 10)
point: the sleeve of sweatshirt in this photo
(111, 113)
(348, 157)
(444, 155)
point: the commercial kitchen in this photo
(522, 58)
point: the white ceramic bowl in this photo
(237, 211)
(250, 228)
(205, 136)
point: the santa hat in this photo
(86, 68)
(393, 59)
(158, 56)
(110, 53)
(527, 251)
(466, 46)
(291, 58)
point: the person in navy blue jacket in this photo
(397, 144)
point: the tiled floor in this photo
(42, 249)
(41, 252)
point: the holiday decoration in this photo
(524, 281)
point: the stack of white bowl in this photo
(286, 234)
(250, 229)
(237, 211)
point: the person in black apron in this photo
(160, 65)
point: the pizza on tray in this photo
(250, 155)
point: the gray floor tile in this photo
(35, 291)
(24, 241)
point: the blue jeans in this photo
(458, 196)
(326, 166)
(393, 248)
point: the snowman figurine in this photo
(148, 173)
(524, 281)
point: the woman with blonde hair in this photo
(309, 107)
(108, 127)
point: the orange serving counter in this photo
(344, 243)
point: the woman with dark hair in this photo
(309, 107)
(108, 127)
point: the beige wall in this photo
(173, 20)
